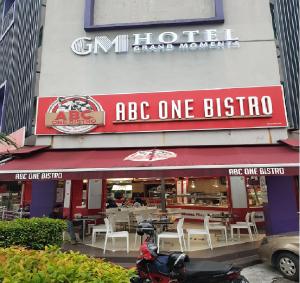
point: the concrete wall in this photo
(63, 73)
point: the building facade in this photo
(20, 23)
(286, 29)
(253, 64)
(19, 35)
(181, 99)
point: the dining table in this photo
(168, 212)
(225, 219)
(84, 219)
(163, 223)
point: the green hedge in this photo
(19, 265)
(34, 233)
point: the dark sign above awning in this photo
(271, 160)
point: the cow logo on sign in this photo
(151, 155)
(75, 114)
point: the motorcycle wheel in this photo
(137, 279)
(242, 279)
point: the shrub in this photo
(19, 265)
(34, 233)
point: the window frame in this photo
(90, 26)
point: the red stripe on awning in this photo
(189, 161)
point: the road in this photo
(263, 273)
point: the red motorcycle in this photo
(176, 267)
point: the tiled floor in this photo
(197, 243)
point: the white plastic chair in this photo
(218, 226)
(122, 217)
(152, 208)
(66, 236)
(196, 232)
(112, 210)
(2, 212)
(147, 215)
(174, 235)
(97, 229)
(242, 225)
(139, 219)
(252, 222)
(90, 226)
(113, 235)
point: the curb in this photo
(242, 255)
(241, 262)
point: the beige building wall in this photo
(64, 73)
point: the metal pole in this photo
(163, 195)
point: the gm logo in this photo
(90, 25)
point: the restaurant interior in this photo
(204, 204)
(198, 210)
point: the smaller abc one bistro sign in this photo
(74, 115)
(232, 108)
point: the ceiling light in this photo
(122, 188)
(216, 183)
(193, 185)
(119, 180)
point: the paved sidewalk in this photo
(263, 273)
(244, 255)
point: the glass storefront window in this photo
(128, 190)
(84, 192)
(208, 191)
(256, 191)
(60, 192)
(10, 195)
(120, 190)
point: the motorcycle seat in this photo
(205, 268)
(159, 265)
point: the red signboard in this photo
(233, 108)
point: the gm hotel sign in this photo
(189, 39)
